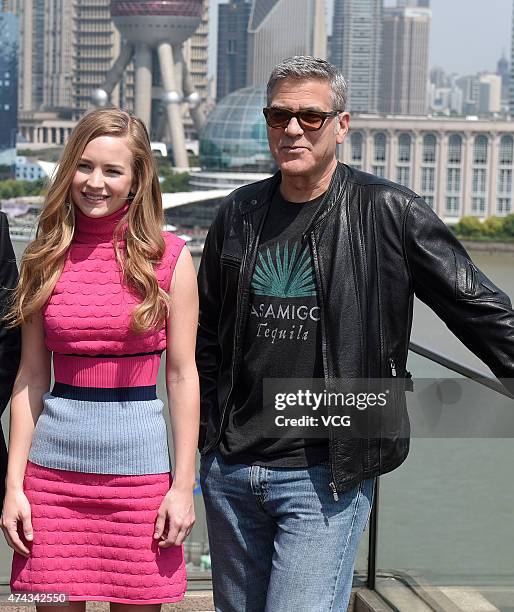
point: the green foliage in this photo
(469, 227)
(508, 225)
(493, 227)
(52, 154)
(11, 188)
(194, 160)
(164, 168)
(171, 181)
(176, 182)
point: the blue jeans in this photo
(279, 541)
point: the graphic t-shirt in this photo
(282, 340)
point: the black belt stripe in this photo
(99, 394)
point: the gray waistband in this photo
(101, 437)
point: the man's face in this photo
(301, 152)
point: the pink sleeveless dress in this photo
(99, 466)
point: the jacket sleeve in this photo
(9, 338)
(444, 277)
(208, 350)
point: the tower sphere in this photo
(172, 96)
(154, 21)
(194, 99)
(100, 97)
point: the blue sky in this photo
(467, 35)
(470, 35)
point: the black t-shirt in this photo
(282, 340)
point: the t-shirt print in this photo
(286, 273)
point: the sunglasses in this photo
(308, 120)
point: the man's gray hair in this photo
(302, 67)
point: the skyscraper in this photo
(31, 16)
(65, 49)
(196, 55)
(503, 69)
(94, 49)
(470, 86)
(489, 97)
(356, 47)
(405, 45)
(9, 28)
(281, 28)
(232, 58)
(511, 85)
(57, 56)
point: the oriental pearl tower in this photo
(161, 26)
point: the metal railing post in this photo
(373, 536)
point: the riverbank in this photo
(488, 246)
(485, 246)
(196, 249)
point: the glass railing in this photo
(442, 530)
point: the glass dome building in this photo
(234, 135)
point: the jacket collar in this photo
(332, 196)
(265, 189)
(262, 195)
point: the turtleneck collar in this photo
(94, 230)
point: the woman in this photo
(89, 510)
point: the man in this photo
(9, 338)
(311, 274)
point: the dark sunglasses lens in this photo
(277, 118)
(310, 121)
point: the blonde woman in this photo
(90, 508)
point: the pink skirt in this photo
(93, 539)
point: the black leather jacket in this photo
(374, 244)
(9, 338)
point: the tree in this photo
(5, 191)
(469, 227)
(176, 182)
(14, 189)
(17, 188)
(37, 187)
(508, 225)
(493, 227)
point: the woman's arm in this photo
(31, 383)
(184, 402)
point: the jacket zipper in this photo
(332, 484)
(334, 491)
(392, 366)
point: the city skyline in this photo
(474, 46)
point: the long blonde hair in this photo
(140, 228)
